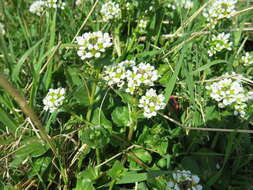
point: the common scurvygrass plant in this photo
(131, 96)
(231, 93)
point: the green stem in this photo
(88, 115)
(98, 156)
(130, 134)
(112, 184)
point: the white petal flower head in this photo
(230, 93)
(110, 10)
(52, 4)
(142, 24)
(54, 99)
(185, 4)
(184, 178)
(93, 44)
(154, 105)
(2, 31)
(37, 7)
(218, 9)
(170, 184)
(79, 2)
(62, 5)
(218, 43)
(247, 59)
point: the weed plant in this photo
(126, 94)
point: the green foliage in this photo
(102, 138)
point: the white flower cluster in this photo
(219, 9)
(151, 103)
(142, 24)
(2, 30)
(54, 99)
(55, 4)
(230, 93)
(184, 180)
(79, 2)
(143, 73)
(130, 77)
(110, 10)
(116, 74)
(127, 72)
(92, 44)
(218, 43)
(247, 59)
(186, 4)
(39, 6)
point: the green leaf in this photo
(22, 60)
(100, 119)
(85, 179)
(117, 170)
(82, 96)
(95, 136)
(32, 148)
(131, 177)
(73, 76)
(39, 166)
(144, 155)
(170, 86)
(208, 65)
(120, 116)
(8, 121)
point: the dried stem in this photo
(205, 129)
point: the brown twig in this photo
(205, 129)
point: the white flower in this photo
(110, 10)
(79, 2)
(54, 99)
(151, 103)
(184, 179)
(170, 184)
(130, 76)
(142, 24)
(115, 74)
(140, 74)
(171, 6)
(37, 7)
(92, 44)
(186, 4)
(230, 93)
(247, 59)
(51, 3)
(219, 9)
(62, 5)
(218, 43)
(2, 31)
